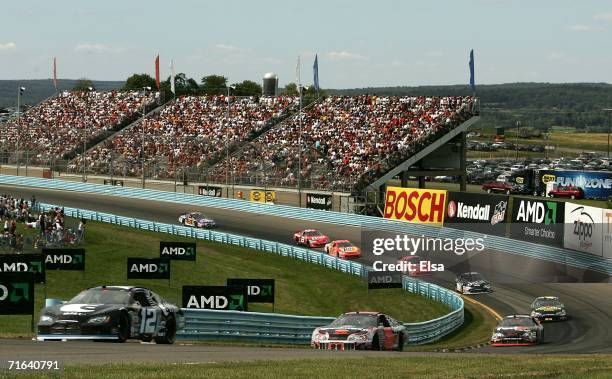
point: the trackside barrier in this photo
(558, 255)
(277, 328)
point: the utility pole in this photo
(20, 91)
(144, 111)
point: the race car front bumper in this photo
(341, 345)
(66, 337)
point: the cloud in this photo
(345, 55)
(435, 53)
(585, 28)
(230, 48)
(96, 48)
(603, 16)
(8, 46)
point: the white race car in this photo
(197, 220)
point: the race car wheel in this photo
(308, 244)
(400, 343)
(507, 192)
(124, 328)
(170, 335)
(489, 190)
(376, 345)
(573, 197)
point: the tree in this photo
(182, 86)
(83, 84)
(214, 85)
(138, 82)
(290, 90)
(247, 88)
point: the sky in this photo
(359, 43)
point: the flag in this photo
(55, 73)
(297, 75)
(172, 89)
(471, 64)
(157, 71)
(315, 72)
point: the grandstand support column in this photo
(421, 182)
(404, 179)
(462, 163)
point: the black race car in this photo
(517, 330)
(548, 308)
(112, 313)
(472, 282)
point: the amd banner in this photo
(210, 191)
(318, 201)
(148, 268)
(477, 212)
(24, 263)
(228, 298)
(64, 259)
(179, 251)
(258, 290)
(584, 228)
(384, 279)
(539, 221)
(16, 293)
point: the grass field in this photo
(301, 288)
(565, 139)
(402, 366)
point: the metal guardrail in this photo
(554, 254)
(263, 327)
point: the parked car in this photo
(567, 191)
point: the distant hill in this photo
(38, 90)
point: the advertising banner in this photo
(64, 259)
(538, 221)
(178, 251)
(24, 263)
(423, 206)
(148, 268)
(319, 201)
(583, 228)
(384, 279)
(228, 298)
(262, 196)
(606, 217)
(480, 213)
(210, 191)
(16, 293)
(595, 184)
(258, 290)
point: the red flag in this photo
(157, 71)
(54, 73)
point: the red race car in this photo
(310, 238)
(569, 191)
(415, 266)
(342, 249)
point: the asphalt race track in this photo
(589, 305)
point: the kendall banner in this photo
(16, 293)
(210, 191)
(148, 268)
(539, 221)
(258, 290)
(24, 263)
(423, 206)
(64, 259)
(178, 251)
(228, 298)
(482, 213)
(384, 279)
(583, 228)
(319, 201)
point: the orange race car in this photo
(342, 249)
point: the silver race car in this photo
(470, 283)
(197, 220)
(517, 330)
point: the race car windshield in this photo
(474, 276)
(312, 234)
(345, 244)
(100, 296)
(362, 321)
(512, 322)
(547, 303)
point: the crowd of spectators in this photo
(59, 124)
(347, 141)
(189, 132)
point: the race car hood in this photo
(343, 329)
(79, 311)
(477, 283)
(548, 309)
(513, 330)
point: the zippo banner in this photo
(16, 293)
(148, 268)
(24, 263)
(258, 290)
(227, 298)
(583, 228)
(64, 259)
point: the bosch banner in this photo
(16, 293)
(210, 191)
(262, 196)
(258, 290)
(227, 298)
(423, 206)
(539, 221)
(64, 259)
(178, 251)
(384, 279)
(481, 213)
(24, 263)
(148, 268)
(318, 201)
(583, 228)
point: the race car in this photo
(414, 261)
(112, 313)
(361, 330)
(470, 283)
(548, 308)
(517, 330)
(342, 249)
(197, 220)
(310, 238)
